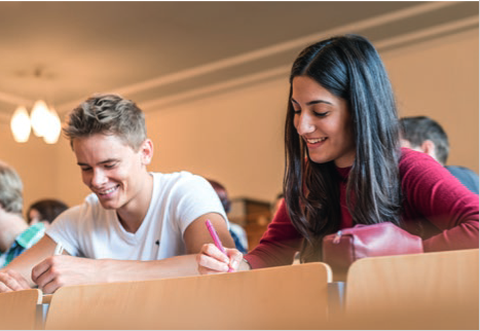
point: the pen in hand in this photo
(216, 239)
(58, 249)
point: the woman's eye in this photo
(296, 111)
(321, 114)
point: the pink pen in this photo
(216, 240)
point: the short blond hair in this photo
(108, 114)
(11, 189)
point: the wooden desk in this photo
(290, 297)
(18, 310)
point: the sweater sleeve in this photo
(278, 244)
(432, 193)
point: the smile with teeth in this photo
(110, 190)
(314, 141)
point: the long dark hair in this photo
(350, 68)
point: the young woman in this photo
(344, 165)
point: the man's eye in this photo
(110, 166)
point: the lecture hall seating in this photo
(419, 291)
(18, 309)
(289, 297)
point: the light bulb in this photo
(20, 125)
(40, 117)
(54, 127)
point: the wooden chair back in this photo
(431, 290)
(18, 310)
(290, 297)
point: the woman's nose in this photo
(305, 124)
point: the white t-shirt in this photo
(89, 230)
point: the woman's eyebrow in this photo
(313, 102)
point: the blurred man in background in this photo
(423, 134)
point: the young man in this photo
(425, 135)
(135, 225)
(15, 234)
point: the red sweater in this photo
(436, 207)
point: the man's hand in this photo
(10, 280)
(57, 271)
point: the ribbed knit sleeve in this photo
(278, 244)
(432, 194)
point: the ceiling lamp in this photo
(40, 117)
(20, 125)
(43, 120)
(54, 127)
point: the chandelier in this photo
(43, 120)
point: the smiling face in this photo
(114, 171)
(323, 122)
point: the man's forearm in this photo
(24, 263)
(122, 270)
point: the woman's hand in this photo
(211, 260)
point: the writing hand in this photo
(57, 271)
(211, 260)
(10, 280)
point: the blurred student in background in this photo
(237, 232)
(15, 234)
(45, 211)
(344, 166)
(425, 135)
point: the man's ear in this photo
(428, 147)
(146, 151)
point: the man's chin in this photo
(108, 204)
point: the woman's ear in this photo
(146, 150)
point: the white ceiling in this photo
(161, 52)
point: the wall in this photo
(440, 79)
(236, 137)
(35, 162)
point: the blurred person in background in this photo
(45, 211)
(425, 135)
(15, 234)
